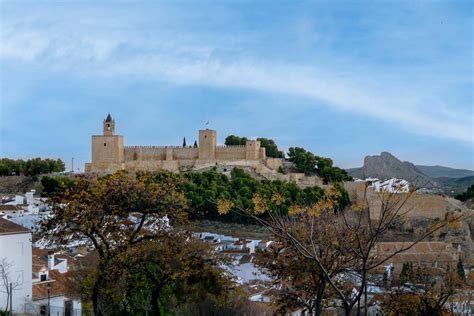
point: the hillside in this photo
(19, 184)
(386, 166)
(444, 172)
(454, 186)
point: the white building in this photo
(15, 257)
(393, 185)
(11, 210)
(50, 284)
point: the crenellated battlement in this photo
(232, 147)
(109, 152)
(157, 147)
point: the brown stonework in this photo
(109, 154)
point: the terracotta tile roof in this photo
(5, 207)
(58, 286)
(35, 251)
(241, 242)
(245, 259)
(3, 195)
(8, 228)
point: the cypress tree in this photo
(184, 141)
(460, 269)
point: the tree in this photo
(202, 189)
(422, 294)
(271, 148)
(355, 232)
(56, 185)
(469, 194)
(184, 141)
(303, 160)
(299, 282)
(32, 167)
(233, 140)
(5, 277)
(113, 214)
(460, 269)
(176, 270)
(309, 163)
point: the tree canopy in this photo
(202, 190)
(233, 140)
(309, 163)
(270, 146)
(469, 194)
(30, 167)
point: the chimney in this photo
(50, 260)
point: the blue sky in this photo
(342, 79)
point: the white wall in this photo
(16, 248)
(57, 306)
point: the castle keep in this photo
(109, 154)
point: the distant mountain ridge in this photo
(444, 172)
(386, 166)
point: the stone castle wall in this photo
(109, 153)
(153, 153)
(231, 152)
(144, 153)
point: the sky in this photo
(342, 79)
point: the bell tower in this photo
(107, 149)
(109, 126)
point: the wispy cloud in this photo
(400, 103)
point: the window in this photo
(43, 277)
(105, 144)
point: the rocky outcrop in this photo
(386, 166)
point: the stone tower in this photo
(252, 149)
(207, 144)
(107, 149)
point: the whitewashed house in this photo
(50, 285)
(15, 261)
(11, 210)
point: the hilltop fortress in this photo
(109, 154)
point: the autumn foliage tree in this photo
(350, 234)
(112, 215)
(171, 272)
(419, 293)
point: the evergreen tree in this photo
(195, 144)
(404, 275)
(184, 141)
(460, 269)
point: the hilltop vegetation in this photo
(270, 146)
(30, 167)
(469, 194)
(309, 163)
(203, 190)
